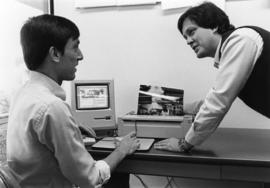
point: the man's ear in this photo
(215, 30)
(54, 54)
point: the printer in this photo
(149, 126)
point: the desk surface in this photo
(227, 146)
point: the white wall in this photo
(12, 68)
(36, 4)
(141, 45)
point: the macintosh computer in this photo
(92, 103)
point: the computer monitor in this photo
(92, 103)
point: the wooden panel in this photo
(170, 169)
(244, 173)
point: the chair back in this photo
(7, 180)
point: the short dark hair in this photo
(40, 33)
(207, 15)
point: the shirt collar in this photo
(49, 83)
(217, 58)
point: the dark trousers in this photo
(118, 180)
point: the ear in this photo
(215, 30)
(54, 54)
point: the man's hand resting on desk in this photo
(128, 144)
(170, 144)
(173, 144)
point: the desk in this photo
(229, 154)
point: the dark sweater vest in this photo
(256, 91)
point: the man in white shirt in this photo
(242, 58)
(44, 144)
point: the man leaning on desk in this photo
(243, 61)
(45, 148)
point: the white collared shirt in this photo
(240, 52)
(44, 144)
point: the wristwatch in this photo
(184, 146)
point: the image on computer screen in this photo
(92, 96)
(160, 101)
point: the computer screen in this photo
(94, 96)
(92, 103)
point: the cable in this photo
(136, 128)
(173, 180)
(140, 179)
(169, 184)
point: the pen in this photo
(135, 124)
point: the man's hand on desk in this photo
(173, 144)
(128, 144)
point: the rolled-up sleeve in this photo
(104, 171)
